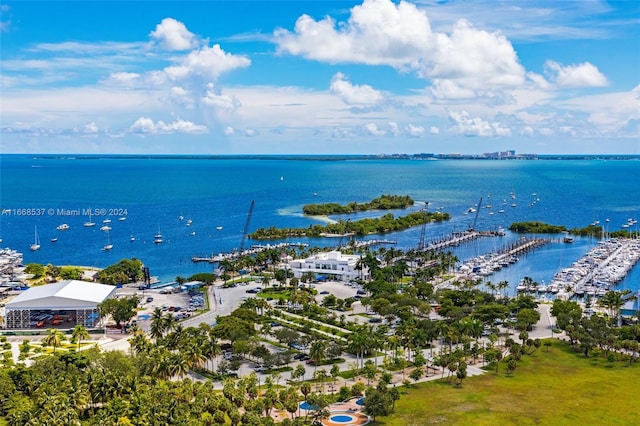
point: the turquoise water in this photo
(217, 192)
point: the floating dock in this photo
(487, 264)
(253, 250)
(458, 238)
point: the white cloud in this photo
(250, 133)
(394, 128)
(466, 125)
(414, 130)
(219, 101)
(206, 62)
(538, 80)
(229, 131)
(173, 35)
(581, 75)
(90, 128)
(145, 125)
(352, 94)
(379, 32)
(124, 77)
(434, 130)
(373, 130)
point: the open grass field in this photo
(553, 386)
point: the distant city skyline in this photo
(320, 77)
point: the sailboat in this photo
(108, 246)
(90, 223)
(36, 244)
(157, 239)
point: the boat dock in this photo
(458, 238)
(369, 243)
(487, 264)
(599, 270)
(253, 250)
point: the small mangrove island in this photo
(383, 224)
(384, 202)
(545, 228)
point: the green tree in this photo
(121, 309)
(36, 269)
(53, 338)
(71, 273)
(79, 334)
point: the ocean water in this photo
(152, 192)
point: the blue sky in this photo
(320, 77)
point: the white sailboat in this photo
(36, 244)
(108, 246)
(90, 223)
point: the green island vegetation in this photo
(545, 228)
(384, 202)
(383, 224)
(395, 344)
(123, 272)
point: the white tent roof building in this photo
(80, 296)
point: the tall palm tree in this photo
(53, 338)
(317, 352)
(158, 324)
(79, 333)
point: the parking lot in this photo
(182, 305)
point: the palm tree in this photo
(157, 324)
(503, 285)
(613, 301)
(53, 338)
(317, 352)
(79, 333)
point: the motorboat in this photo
(62, 227)
(105, 228)
(158, 238)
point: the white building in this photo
(333, 265)
(71, 299)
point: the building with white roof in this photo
(333, 265)
(71, 299)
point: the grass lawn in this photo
(553, 386)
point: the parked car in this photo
(301, 357)
(149, 299)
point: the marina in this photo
(458, 238)
(487, 264)
(599, 270)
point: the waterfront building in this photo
(333, 265)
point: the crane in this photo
(246, 226)
(475, 219)
(424, 228)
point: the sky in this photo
(320, 77)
